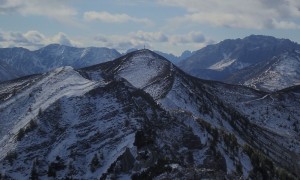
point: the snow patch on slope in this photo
(221, 65)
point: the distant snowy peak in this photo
(26, 62)
(221, 65)
(252, 49)
(76, 57)
(229, 59)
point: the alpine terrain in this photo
(261, 62)
(140, 117)
(25, 62)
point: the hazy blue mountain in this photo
(26, 62)
(175, 59)
(7, 72)
(231, 57)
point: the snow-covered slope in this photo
(231, 60)
(58, 122)
(277, 73)
(25, 62)
(19, 109)
(63, 125)
(141, 117)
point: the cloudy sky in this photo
(167, 25)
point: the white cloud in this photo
(63, 39)
(149, 36)
(191, 37)
(119, 42)
(254, 14)
(54, 9)
(154, 40)
(114, 18)
(34, 39)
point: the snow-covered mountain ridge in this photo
(141, 117)
(218, 104)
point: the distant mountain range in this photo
(20, 62)
(141, 117)
(262, 62)
(175, 59)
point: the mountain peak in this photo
(255, 37)
(266, 39)
(147, 54)
(230, 59)
(143, 68)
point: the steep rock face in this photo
(25, 62)
(230, 58)
(113, 121)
